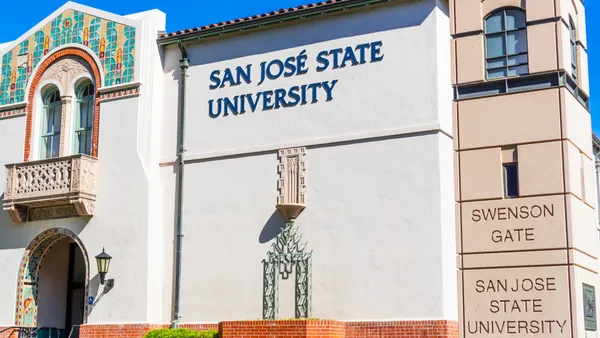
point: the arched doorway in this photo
(53, 282)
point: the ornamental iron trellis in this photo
(288, 251)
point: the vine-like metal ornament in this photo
(288, 252)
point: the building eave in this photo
(263, 20)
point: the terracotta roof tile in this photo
(254, 17)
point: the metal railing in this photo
(33, 332)
(74, 333)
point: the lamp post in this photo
(103, 261)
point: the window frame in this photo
(573, 43)
(44, 135)
(81, 99)
(506, 57)
(505, 179)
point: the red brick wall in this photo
(287, 329)
(8, 334)
(199, 327)
(282, 328)
(119, 330)
(132, 330)
(328, 328)
(404, 329)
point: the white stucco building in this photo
(351, 120)
(332, 160)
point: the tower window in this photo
(573, 39)
(506, 44)
(511, 180)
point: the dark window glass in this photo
(511, 180)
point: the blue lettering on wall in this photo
(294, 65)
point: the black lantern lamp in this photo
(103, 261)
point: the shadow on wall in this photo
(18, 236)
(335, 26)
(272, 228)
(94, 288)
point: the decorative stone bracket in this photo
(292, 182)
(53, 188)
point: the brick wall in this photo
(119, 330)
(131, 330)
(287, 329)
(199, 327)
(10, 333)
(405, 329)
(336, 329)
(282, 328)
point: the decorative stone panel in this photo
(292, 182)
(52, 188)
(65, 70)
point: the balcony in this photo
(49, 189)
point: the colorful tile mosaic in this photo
(112, 42)
(27, 284)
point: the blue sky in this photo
(185, 14)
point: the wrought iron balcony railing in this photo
(53, 188)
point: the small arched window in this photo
(573, 38)
(84, 119)
(506, 44)
(51, 124)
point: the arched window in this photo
(84, 119)
(506, 44)
(51, 124)
(573, 38)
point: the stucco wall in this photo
(374, 223)
(12, 131)
(119, 224)
(379, 218)
(127, 210)
(401, 91)
(380, 215)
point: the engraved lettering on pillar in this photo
(519, 302)
(513, 225)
